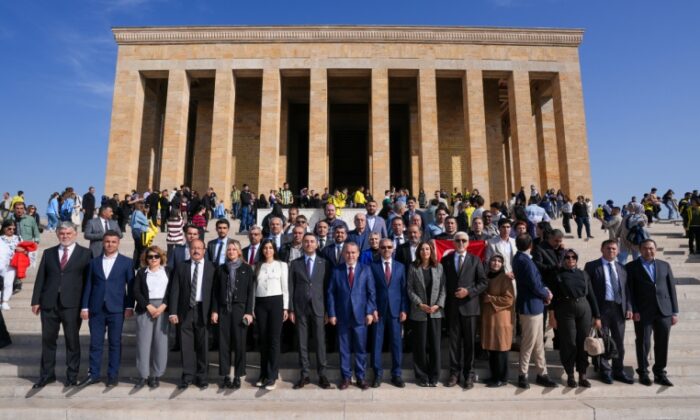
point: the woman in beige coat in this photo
(496, 320)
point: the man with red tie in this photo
(392, 310)
(351, 305)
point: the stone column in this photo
(570, 122)
(318, 130)
(125, 132)
(495, 142)
(547, 144)
(150, 138)
(379, 173)
(221, 152)
(475, 122)
(524, 140)
(268, 168)
(201, 152)
(172, 172)
(429, 153)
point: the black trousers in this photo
(426, 349)
(308, 324)
(194, 345)
(268, 314)
(612, 320)
(87, 217)
(5, 339)
(694, 236)
(573, 324)
(566, 222)
(498, 363)
(138, 250)
(51, 321)
(462, 333)
(232, 337)
(660, 326)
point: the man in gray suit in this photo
(95, 229)
(308, 280)
(374, 222)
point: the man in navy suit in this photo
(360, 235)
(181, 253)
(333, 252)
(351, 305)
(392, 310)
(107, 300)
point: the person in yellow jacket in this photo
(339, 200)
(359, 197)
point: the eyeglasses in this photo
(153, 257)
(571, 257)
(461, 241)
(387, 247)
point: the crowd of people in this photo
(490, 279)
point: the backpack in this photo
(635, 234)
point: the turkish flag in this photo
(445, 246)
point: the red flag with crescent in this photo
(445, 247)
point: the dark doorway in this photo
(349, 128)
(400, 145)
(298, 146)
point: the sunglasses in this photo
(461, 241)
(387, 247)
(153, 257)
(571, 257)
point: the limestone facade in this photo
(422, 107)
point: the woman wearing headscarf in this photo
(496, 320)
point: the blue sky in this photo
(639, 62)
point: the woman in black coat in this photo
(232, 309)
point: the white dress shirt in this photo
(108, 263)
(200, 276)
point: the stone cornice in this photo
(346, 34)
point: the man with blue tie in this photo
(106, 301)
(392, 310)
(351, 305)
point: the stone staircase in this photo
(19, 365)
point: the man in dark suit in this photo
(609, 281)
(277, 235)
(216, 248)
(406, 253)
(190, 301)
(107, 300)
(95, 229)
(333, 252)
(308, 282)
(374, 222)
(392, 310)
(88, 206)
(465, 279)
(407, 217)
(58, 289)
(294, 248)
(351, 305)
(181, 253)
(251, 253)
(655, 310)
(360, 235)
(152, 202)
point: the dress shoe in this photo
(377, 382)
(43, 382)
(583, 382)
(112, 382)
(362, 384)
(398, 382)
(344, 384)
(422, 384)
(606, 379)
(88, 381)
(622, 377)
(70, 382)
(202, 385)
(432, 383)
(302, 382)
(270, 385)
(571, 382)
(451, 381)
(469, 383)
(644, 380)
(324, 383)
(522, 382)
(545, 381)
(662, 380)
(236, 384)
(152, 382)
(140, 383)
(184, 385)
(496, 384)
(226, 383)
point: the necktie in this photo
(351, 276)
(337, 252)
(461, 261)
(218, 251)
(193, 285)
(106, 226)
(387, 272)
(614, 283)
(251, 256)
(64, 258)
(309, 266)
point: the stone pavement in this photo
(19, 369)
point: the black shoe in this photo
(398, 382)
(203, 385)
(545, 381)
(43, 382)
(432, 384)
(422, 384)
(662, 380)
(302, 382)
(451, 381)
(140, 383)
(363, 385)
(571, 382)
(226, 383)
(184, 385)
(622, 377)
(151, 382)
(88, 381)
(236, 382)
(644, 380)
(522, 382)
(606, 379)
(112, 382)
(377, 382)
(583, 382)
(323, 382)
(70, 383)
(469, 383)
(496, 384)
(344, 384)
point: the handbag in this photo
(593, 344)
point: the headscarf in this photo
(491, 274)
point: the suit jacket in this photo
(361, 239)
(417, 293)
(403, 254)
(211, 250)
(379, 227)
(407, 218)
(246, 251)
(329, 253)
(179, 298)
(596, 272)
(112, 293)
(351, 306)
(94, 230)
(243, 292)
(471, 277)
(301, 287)
(392, 298)
(179, 255)
(548, 260)
(140, 289)
(494, 246)
(650, 298)
(531, 292)
(70, 281)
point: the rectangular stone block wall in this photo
(246, 132)
(451, 134)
